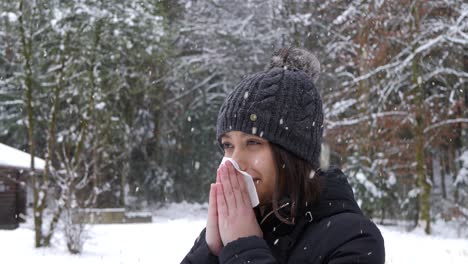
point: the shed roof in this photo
(15, 158)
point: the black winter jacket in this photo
(332, 231)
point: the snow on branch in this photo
(350, 122)
(454, 33)
(196, 87)
(445, 122)
(440, 71)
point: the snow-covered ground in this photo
(173, 231)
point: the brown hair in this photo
(297, 179)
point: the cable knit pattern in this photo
(281, 105)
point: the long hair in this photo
(297, 179)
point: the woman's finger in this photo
(218, 172)
(234, 177)
(212, 235)
(221, 202)
(212, 207)
(227, 189)
(243, 190)
(212, 230)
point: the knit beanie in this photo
(280, 104)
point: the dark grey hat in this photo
(280, 104)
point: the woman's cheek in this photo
(257, 187)
(264, 196)
(260, 194)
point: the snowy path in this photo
(167, 240)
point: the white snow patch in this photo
(345, 15)
(12, 17)
(100, 105)
(370, 186)
(392, 179)
(341, 107)
(462, 176)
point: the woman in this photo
(271, 125)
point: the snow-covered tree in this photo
(75, 66)
(400, 80)
(217, 43)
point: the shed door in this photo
(7, 204)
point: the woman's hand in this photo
(236, 217)
(212, 236)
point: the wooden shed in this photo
(14, 169)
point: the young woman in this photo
(271, 125)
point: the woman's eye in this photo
(253, 142)
(226, 145)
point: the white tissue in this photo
(248, 181)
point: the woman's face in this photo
(254, 156)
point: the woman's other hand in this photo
(212, 235)
(236, 217)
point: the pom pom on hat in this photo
(296, 59)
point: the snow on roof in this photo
(15, 158)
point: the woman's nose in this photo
(240, 158)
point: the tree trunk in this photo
(123, 181)
(51, 137)
(52, 225)
(422, 181)
(36, 183)
(420, 113)
(91, 118)
(439, 169)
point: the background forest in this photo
(121, 97)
